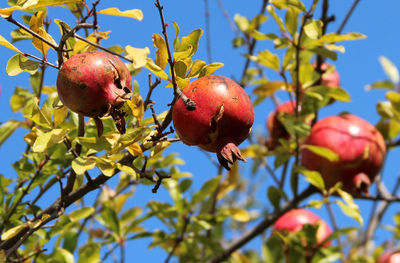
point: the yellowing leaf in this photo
(210, 68)
(238, 214)
(269, 88)
(156, 70)
(3, 256)
(80, 165)
(106, 166)
(38, 222)
(36, 24)
(160, 146)
(10, 233)
(82, 46)
(18, 63)
(134, 149)
(4, 42)
(133, 13)
(43, 3)
(138, 55)
(59, 115)
(162, 52)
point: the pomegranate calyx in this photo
(229, 154)
(361, 184)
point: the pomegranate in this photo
(275, 127)
(329, 79)
(390, 257)
(221, 121)
(294, 220)
(95, 84)
(359, 145)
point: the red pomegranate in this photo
(294, 220)
(329, 79)
(359, 145)
(95, 84)
(390, 257)
(275, 127)
(221, 121)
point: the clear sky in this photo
(358, 66)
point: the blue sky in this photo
(358, 66)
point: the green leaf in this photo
(277, 18)
(81, 213)
(333, 37)
(266, 58)
(48, 139)
(269, 88)
(210, 68)
(297, 4)
(242, 22)
(89, 253)
(66, 255)
(207, 189)
(257, 21)
(109, 219)
(313, 177)
(196, 68)
(180, 69)
(313, 29)
(336, 93)
(273, 249)
(19, 63)
(18, 34)
(291, 20)
(275, 195)
(80, 165)
(41, 117)
(322, 51)
(7, 129)
(190, 41)
(106, 166)
(132, 13)
(385, 84)
(96, 143)
(348, 207)
(323, 152)
(156, 70)
(390, 69)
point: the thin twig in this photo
(179, 238)
(190, 105)
(347, 16)
(152, 86)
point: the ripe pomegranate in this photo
(295, 219)
(95, 84)
(329, 79)
(221, 121)
(390, 257)
(359, 145)
(275, 127)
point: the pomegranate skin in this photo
(95, 84)
(390, 257)
(275, 127)
(359, 145)
(221, 121)
(331, 79)
(295, 219)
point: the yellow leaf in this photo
(156, 70)
(138, 55)
(43, 3)
(106, 166)
(6, 12)
(133, 13)
(238, 214)
(30, 138)
(82, 46)
(136, 105)
(10, 233)
(59, 115)
(269, 88)
(4, 42)
(160, 146)
(162, 52)
(36, 24)
(3, 256)
(135, 150)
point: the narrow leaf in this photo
(7, 129)
(390, 69)
(4, 42)
(323, 152)
(133, 13)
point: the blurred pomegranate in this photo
(329, 78)
(390, 257)
(295, 219)
(359, 145)
(221, 121)
(275, 127)
(95, 84)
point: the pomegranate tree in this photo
(221, 121)
(390, 257)
(359, 146)
(95, 84)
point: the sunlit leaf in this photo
(313, 29)
(313, 177)
(30, 4)
(82, 46)
(36, 25)
(161, 52)
(48, 139)
(80, 165)
(390, 69)
(381, 85)
(269, 88)
(12, 232)
(81, 213)
(4, 42)
(95, 143)
(289, 4)
(208, 187)
(7, 129)
(18, 63)
(210, 68)
(291, 20)
(349, 207)
(156, 70)
(333, 37)
(133, 13)
(237, 214)
(277, 18)
(266, 58)
(106, 166)
(323, 152)
(138, 55)
(135, 150)
(242, 22)
(60, 114)
(89, 253)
